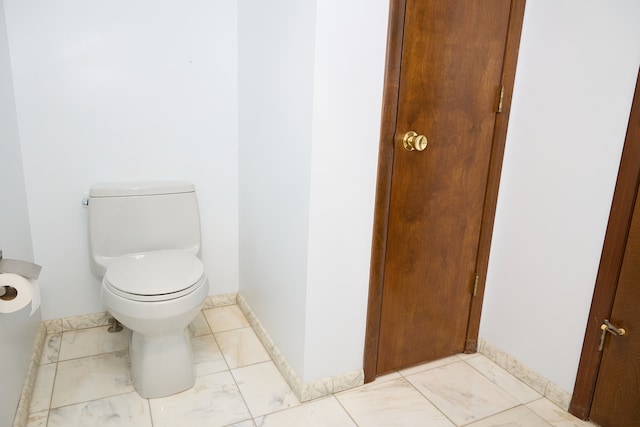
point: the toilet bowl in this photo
(157, 294)
(144, 242)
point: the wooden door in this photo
(607, 388)
(616, 401)
(442, 199)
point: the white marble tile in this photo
(21, 417)
(313, 390)
(519, 416)
(465, 356)
(497, 356)
(348, 380)
(319, 413)
(92, 341)
(526, 374)
(241, 347)
(199, 326)
(51, 349)
(556, 416)
(288, 373)
(281, 362)
(462, 393)
(248, 423)
(90, 378)
(219, 300)
(41, 396)
(516, 388)
(213, 401)
(86, 321)
(264, 389)
(38, 345)
(124, 410)
(38, 419)
(386, 377)
(558, 396)
(207, 356)
(391, 403)
(326, 386)
(225, 318)
(53, 326)
(430, 365)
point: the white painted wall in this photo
(275, 98)
(119, 90)
(311, 89)
(348, 81)
(576, 75)
(17, 330)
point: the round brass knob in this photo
(412, 141)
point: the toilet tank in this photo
(133, 217)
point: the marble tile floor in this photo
(83, 380)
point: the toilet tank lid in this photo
(140, 188)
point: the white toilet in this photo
(144, 242)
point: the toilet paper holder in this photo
(22, 268)
(2, 289)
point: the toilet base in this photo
(161, 365)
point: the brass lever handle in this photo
(608, 327)
(412, 141)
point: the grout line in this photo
(53, 386)
(392, 376)
(528, 376)
(92, 355)
(453, 359)
(95, 400)
(150, 411)
(345, 409)
(244, 401)
(428, 400)
(499, 385)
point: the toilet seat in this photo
(154, 276)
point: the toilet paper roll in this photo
(18, 293)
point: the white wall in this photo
(119, 90)
(17, 330)
(576, 75)
(348, 81)
(310, 89)
(276, 53)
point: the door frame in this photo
(385, 170)
(613, 249)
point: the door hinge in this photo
(476, 279)
(500, 98)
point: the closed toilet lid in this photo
(154, 273)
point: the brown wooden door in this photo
(451, 72)
(607, 387)
(616, 400)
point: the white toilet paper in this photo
(18, 293)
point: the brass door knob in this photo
(412, 141)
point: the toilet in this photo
(144, 240)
